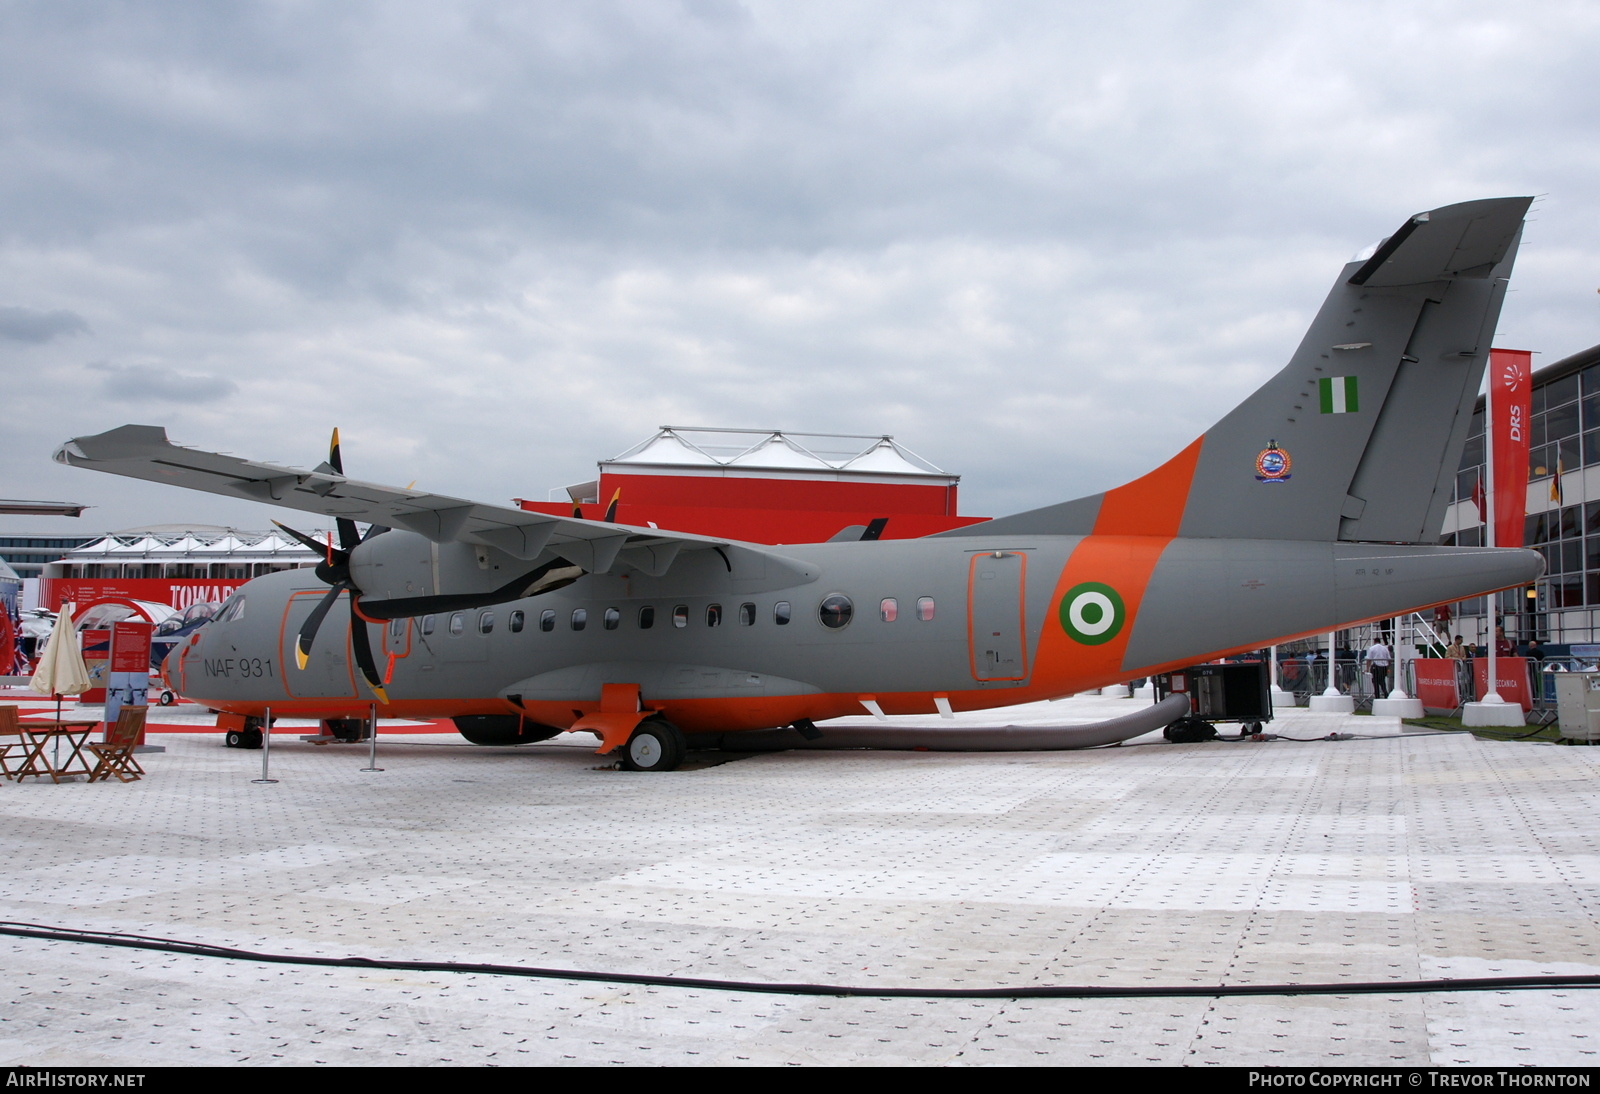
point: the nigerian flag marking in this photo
(1338, 394)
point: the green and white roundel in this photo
(1092, 613)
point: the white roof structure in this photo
(769, 453)
(191, 545)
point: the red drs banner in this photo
(1436, 683)
(1510, 398)
(1511, 679)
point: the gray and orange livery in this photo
(1315, 504)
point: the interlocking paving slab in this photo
(1391, 857)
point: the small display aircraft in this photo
(1315, 504)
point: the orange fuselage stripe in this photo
(1135, 524)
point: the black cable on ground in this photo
(1371, 987)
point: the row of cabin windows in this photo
(835, 612)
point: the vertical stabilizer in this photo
(1359, 436)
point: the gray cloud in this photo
(155, 384)
(1044, 244)
(38, 327)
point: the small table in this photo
(42, 732)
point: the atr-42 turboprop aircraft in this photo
(1315, 504)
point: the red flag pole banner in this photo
(1510, 406)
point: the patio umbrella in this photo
(61, 670)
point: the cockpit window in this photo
(233, 609)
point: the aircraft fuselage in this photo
(720, 644)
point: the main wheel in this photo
(249, 737)
(656, 745)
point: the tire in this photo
(656, 745)
(167, 699)
(347, 730)
(233, 739)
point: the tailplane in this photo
(1358, 438)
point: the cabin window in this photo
(713, 615)
(580, 618)
(611, 619)
(547, 619)
(925, 609)
(888, 609)
(458, 623)
(427, 624)
(485, 622)
(835, 611)
(680, 616)
(397, 629)
(780, 613)
(747, 615)
(515, 622)
(647, 617)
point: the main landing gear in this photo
(656, 745)
(248, 737)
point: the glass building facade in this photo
(27, 554)
(1563, 510)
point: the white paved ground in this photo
(1398, 857)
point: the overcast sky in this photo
(1044, 245)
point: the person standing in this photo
(1378, 662)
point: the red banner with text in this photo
(1510, 679)
(1511, 399)
(1437, 683)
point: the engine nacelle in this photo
(404, 574)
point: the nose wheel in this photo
(656, 745)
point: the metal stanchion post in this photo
(266, 747)
(372, 739)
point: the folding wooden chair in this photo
(11, 736)
(115, 755)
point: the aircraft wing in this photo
(144, 452)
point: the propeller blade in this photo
(361, 646)
(305, 540)
(308, 629)
(611, 510)
(335, 460)
(348, 536)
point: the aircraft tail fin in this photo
(1358, 438)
